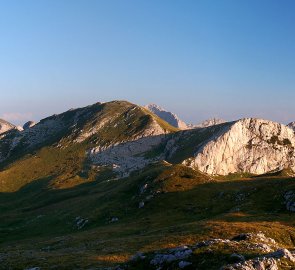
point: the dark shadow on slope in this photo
(36, 213)
(255, 200)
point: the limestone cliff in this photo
(248, 145)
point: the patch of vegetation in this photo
(275, 140)
(39, 219)
(44, 190)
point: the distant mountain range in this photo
(124, 137)
(175, 121)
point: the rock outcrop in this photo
(28, 125)
(270, 255)
(126, 157)
(248, 145)
(127, 137)
(245, 146)
(270, 261)
(5, 126)
(167, 116)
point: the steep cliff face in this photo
(249, 145)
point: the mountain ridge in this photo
(91, 187)
(125, 137)
(5, 126)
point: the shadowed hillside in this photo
(92, 187)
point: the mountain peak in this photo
(5, 126)
(210, 122)
(167, 116)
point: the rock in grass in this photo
(290, 200)
(237, 257)
(141, 205)
(183, 264)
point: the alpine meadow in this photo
(147, 135)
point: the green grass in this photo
(45, 188)
(188, 208)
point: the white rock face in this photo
(167, 116)
(209, 123)
(5, 126)
(130, 155)
(249, 145)
(126, 157)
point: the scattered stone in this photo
(46, 249)
(211, 242)
(172, 255)
(143, 188)
(255, 243)
(239, 197)
(80, 222)
(289, 197)
(235, 209)
(266, 262)
(141, 205)
(237, 257)
(257, 238)
(114, 219)
(138, 256)
(282, 253)
(183, 264)
(149, 197)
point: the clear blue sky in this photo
(224, 58)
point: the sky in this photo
(200, 59)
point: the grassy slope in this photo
(45, 190)
(195, 206)
(68, 165)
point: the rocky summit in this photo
(5, 126)
(167, 116)
(249, 145)
(118, 186)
